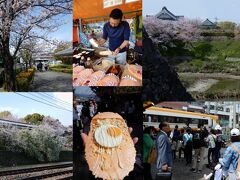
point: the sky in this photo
(64, 32)
(21, 106)
(224, 10)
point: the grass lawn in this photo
(226, 48)
(226, 87)
(214, 59)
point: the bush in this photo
(62, 70)
(40, 143)
(22, 84)
(24, 78)
(62, 66)
(227, 34)
(202, 49)
(34, 118)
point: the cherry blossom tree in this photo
(42, 142)
(22, 20)
(165, 33)
(55, 124)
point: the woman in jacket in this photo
(230, 158)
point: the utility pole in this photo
(234, 114)
(208, 107)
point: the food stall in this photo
(93, 65)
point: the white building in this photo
(228, 112)
(43, 57)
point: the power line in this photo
(52, 97)
(47, 99)
(42, 102)
(35, 95)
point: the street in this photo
(51, 82)
(182, 172)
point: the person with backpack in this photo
(199, 148)
(211, 139)
(187, 141)
(176, 133)
(219, 141)
(148, 145)
(231, 161)
(180, 146)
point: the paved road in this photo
(51, 82)
(182, 172)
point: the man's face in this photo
(166, 128)
(114, 22)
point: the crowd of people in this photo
(84, 111)
(41, 66)
(162, 146)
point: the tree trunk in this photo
(30, 63)
(9, 71)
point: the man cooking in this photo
(118, 33)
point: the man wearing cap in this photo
(118, 33)
(231, 155)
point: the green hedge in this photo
(65, 68)
(61, 70)
(227, 34)
(62, 66)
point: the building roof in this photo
(181, 106)
(65, 52)
(165, 14)
(173, 105)
(44, 56)
(207, 22)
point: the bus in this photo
(152, 116)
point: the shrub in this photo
(40, 143)
(62, 66)
(24, 78)
(202, 49)
(62, 70)
(34, 118)
(227, 34)
(22, 84)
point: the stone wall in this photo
(160, 80)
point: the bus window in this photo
(195, 121)
(212, 107)
(203, 121)
(145, 118)
(154, 118)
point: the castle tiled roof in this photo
(165, 14)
